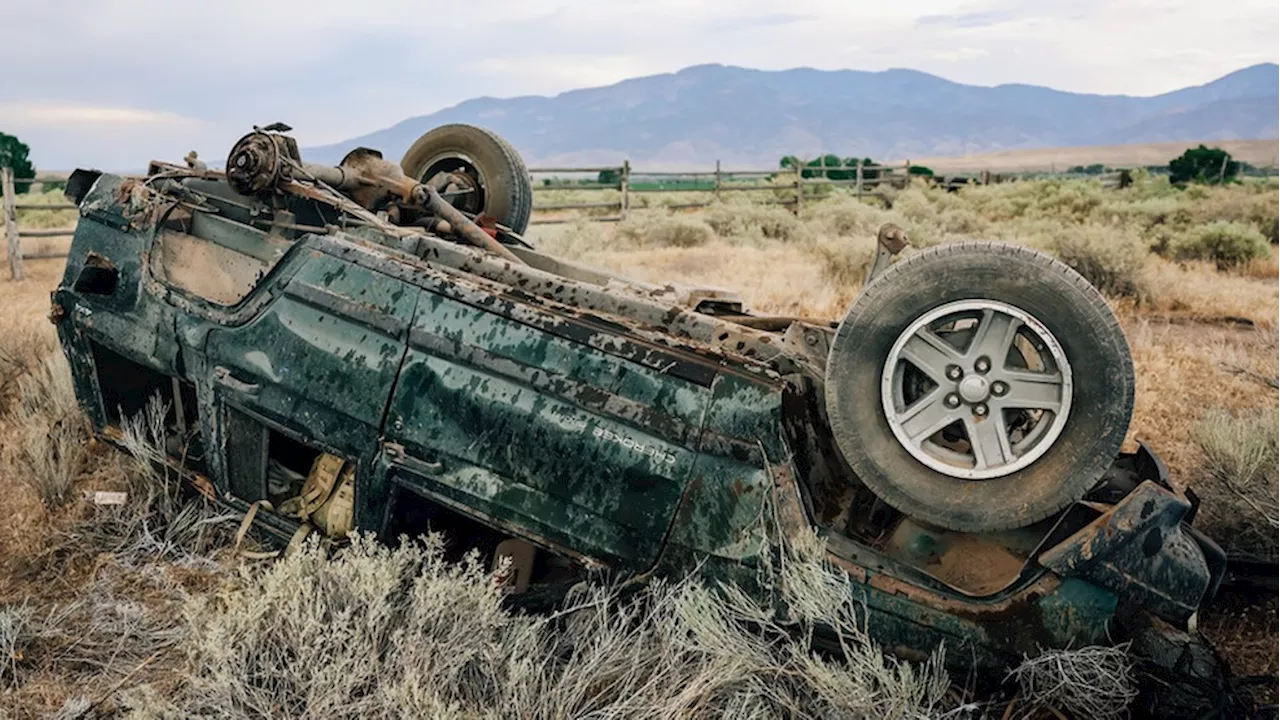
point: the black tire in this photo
(1064, 302)
(508, 196)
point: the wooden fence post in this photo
(858, 181)
(11, 222)
(624, 184)
(717, 190)
(799, 188)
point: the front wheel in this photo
(979, 386)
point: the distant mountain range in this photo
(750, 118)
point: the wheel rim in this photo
(466, 179)
(976, 389)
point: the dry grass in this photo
(1240, 456)
(52, 435)
(46, 218)
(1089, 682)
(400, 632)
(652, 230)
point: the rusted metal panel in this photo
(1138, 549)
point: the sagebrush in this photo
(379, 631)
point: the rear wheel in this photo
(483, 172)
(979, 386)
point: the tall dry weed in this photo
(1241, 457)
(378, 631)
(51, 430)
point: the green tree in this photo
(826, 161)
(920, 170)
(869, 171)
(13, 154)
(608, 177)
(1203, 165)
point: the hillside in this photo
(749, 117)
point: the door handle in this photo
(395, 453)
(223, 376)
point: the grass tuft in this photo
(1113, 261)
(52, 431)
(1241, 457)
(664, 231)
(1228, 244)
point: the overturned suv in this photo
(375, 346)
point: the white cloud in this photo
(74, 114)
(336, 68)
(961, 54)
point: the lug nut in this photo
(999, 388)
(982, 365)
(980, 409)
(954, 372)
(953, 400)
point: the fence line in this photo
(13, 233)
(621, 178)
(865, 179)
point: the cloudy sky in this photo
(112, 83)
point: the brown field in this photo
(1260, 153)
(1197, 298)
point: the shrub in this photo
(914, 203)
(399, 632)
(1226, 243)
(1066, 199)
(845, 216)
(1145, 213)
(664, 231)
(52, 431)
(15, 634)
(22, 346)
(1112, 260)
(752, 220)
(844, 264)
(1240, 456)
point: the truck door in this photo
(311, 372)
(552, 426)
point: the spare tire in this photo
(979, 386)
(498, 182)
